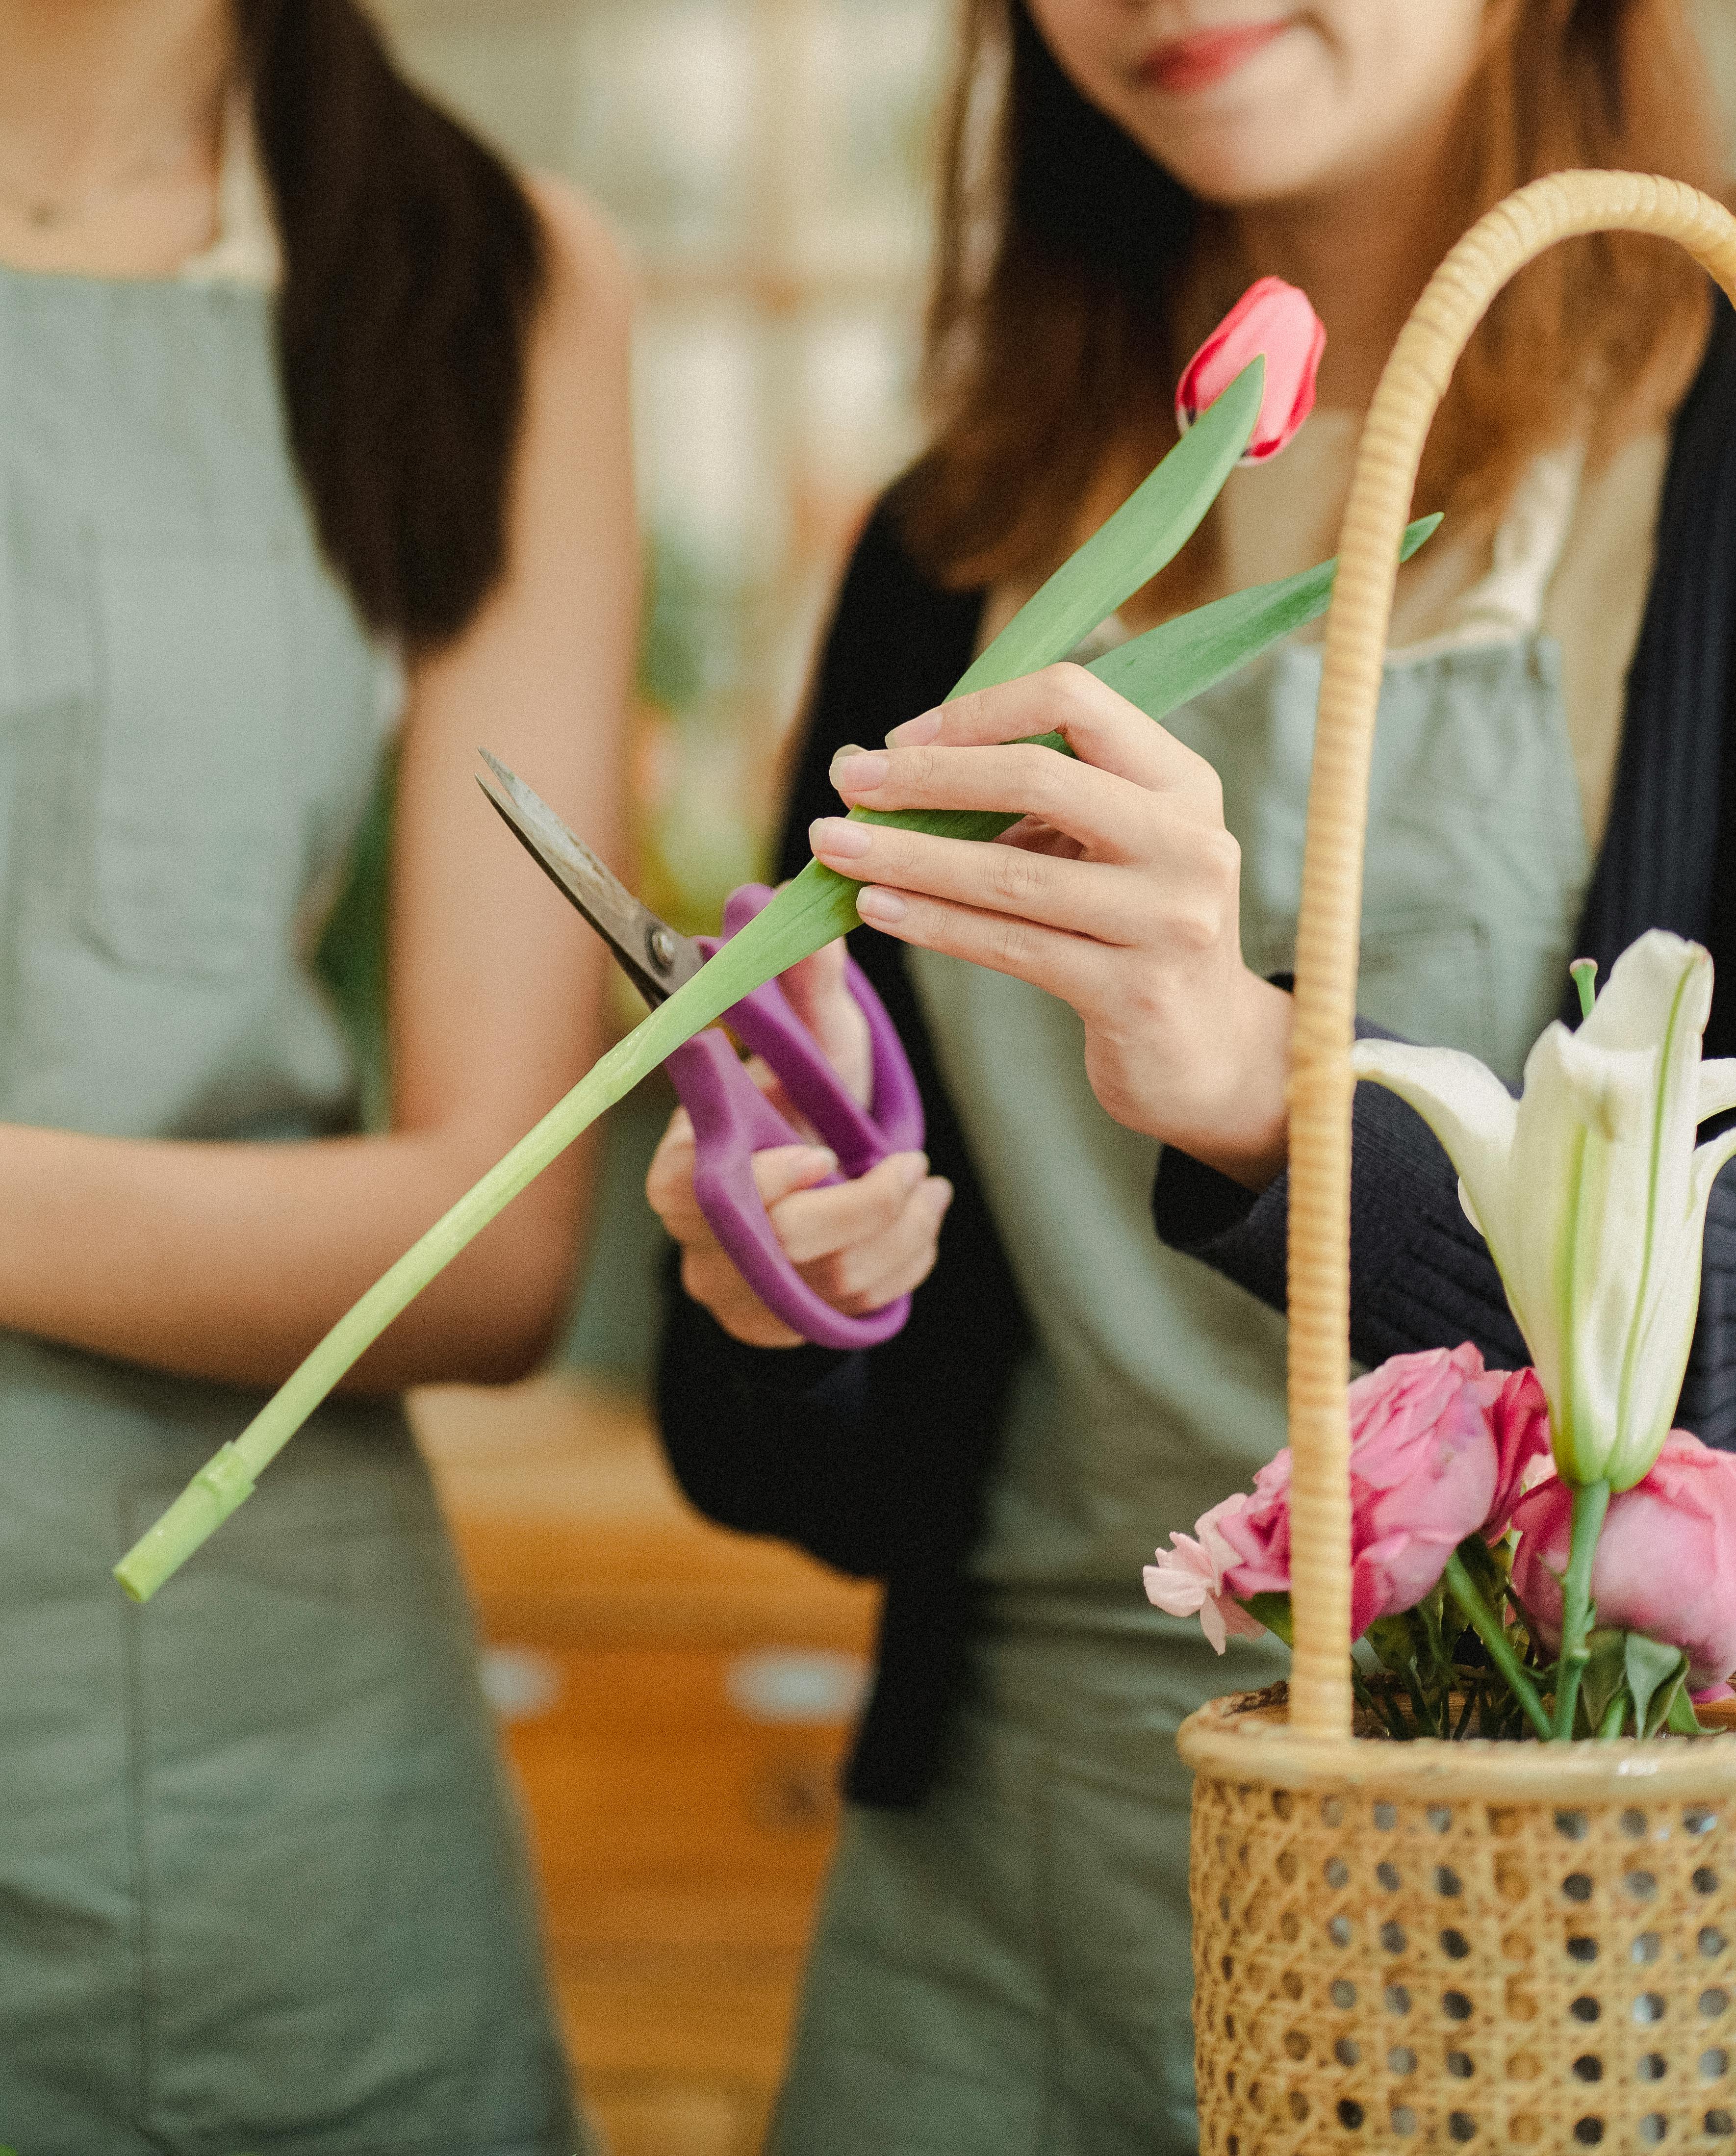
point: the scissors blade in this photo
(651, 954)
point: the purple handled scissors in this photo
(733, 1120)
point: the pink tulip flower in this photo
(1273, 318)
(1439, 1449)
(1666, 1561)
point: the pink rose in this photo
(1273, 318)
(1439, 1450)
(1666, 1561)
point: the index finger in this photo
(1097, 723)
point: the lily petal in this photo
(1592, 1196)
(1718, 1088)
(1462, 1101)
(1644, 990)
(1709, 1159)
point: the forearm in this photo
(229, 1262)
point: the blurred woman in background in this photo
(315, 436)
(1002, 1964)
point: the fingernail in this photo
(881, 907)
(914, 732)
(836, 838)
(823, 1159)
(940, 1194)
(913, 1167)
(861, 773)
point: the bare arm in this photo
(229, 1261)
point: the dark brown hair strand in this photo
(413, 263)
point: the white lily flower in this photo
(1591, 1194)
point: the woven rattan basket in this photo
(1434, 1946)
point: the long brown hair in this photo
(1064, 248)
(412, 266)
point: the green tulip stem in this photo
(226, 1479)
(1591, 1501)
(1489, 1628)
(1157, 671)
(1615, 1714)
(1122, 556)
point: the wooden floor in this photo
(676, 1701)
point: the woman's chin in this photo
(1241, 163)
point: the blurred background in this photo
(676, 1699)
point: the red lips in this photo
(1192, 63)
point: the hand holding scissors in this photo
(733, 1118)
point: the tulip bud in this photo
(1273, 319)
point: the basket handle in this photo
(1563, 206)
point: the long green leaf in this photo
(1124, 554)
(1145, 535)
(1167, 667)
(1654, 1673)
(1180, 659)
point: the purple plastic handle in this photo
(733, 1120)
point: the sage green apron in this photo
(1005, 1972)
(261, 1885)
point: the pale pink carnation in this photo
(1188, 1579)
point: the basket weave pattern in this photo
(1409, 1967)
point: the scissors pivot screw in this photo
(661, 945)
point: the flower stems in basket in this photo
(1591, 1504)
(1490, 1629)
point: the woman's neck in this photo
(109, 132)
(1362, 253)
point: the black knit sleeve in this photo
(1420, 1276)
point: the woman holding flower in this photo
(315, 439)
(1002, 1962)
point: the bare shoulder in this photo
(590, 278)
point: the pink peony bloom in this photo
(1439, 1449)
(1665, 1563)
(1188, 1579)
(1273, 318)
